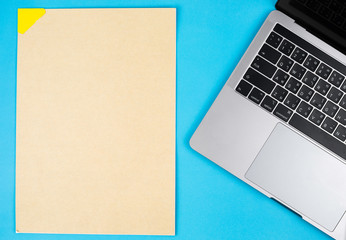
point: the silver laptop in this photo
(279, 123)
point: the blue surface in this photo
(212, 35)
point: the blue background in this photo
(212, 35)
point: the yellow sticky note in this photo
(27, 17)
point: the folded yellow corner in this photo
(27, 17)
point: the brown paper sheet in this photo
(95, 147)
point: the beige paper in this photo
(96, 122)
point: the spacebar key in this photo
(318, 135)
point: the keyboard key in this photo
(292, 101)
(263, 66)
(299, 55)
(297, 71)
(256, 95)
(270, 54)
(340, 133)
(341, 116)
(323, 71)
(293, 85)
(330, 109)
(286, 47)
(318, 135)
(316, 117)
(343, 86)
(322, 87)
(336, 79)
(281, 77)
(310, 79)
(283, 112)
(305, 93)
(269, 103)
(318, 101)
(285, 63)
(274, 39)
(244, 88)
(259, 80)
(334, 95)
(279, 93)
(329, 125)
(304, 109)
(311, 63)
(342, 103)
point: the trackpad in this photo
(302, 175)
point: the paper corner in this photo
(27, 17)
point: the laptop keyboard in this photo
(301, 85)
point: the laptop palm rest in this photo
(301, 175)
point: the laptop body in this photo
(279, 122)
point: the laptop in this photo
(279, 122)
